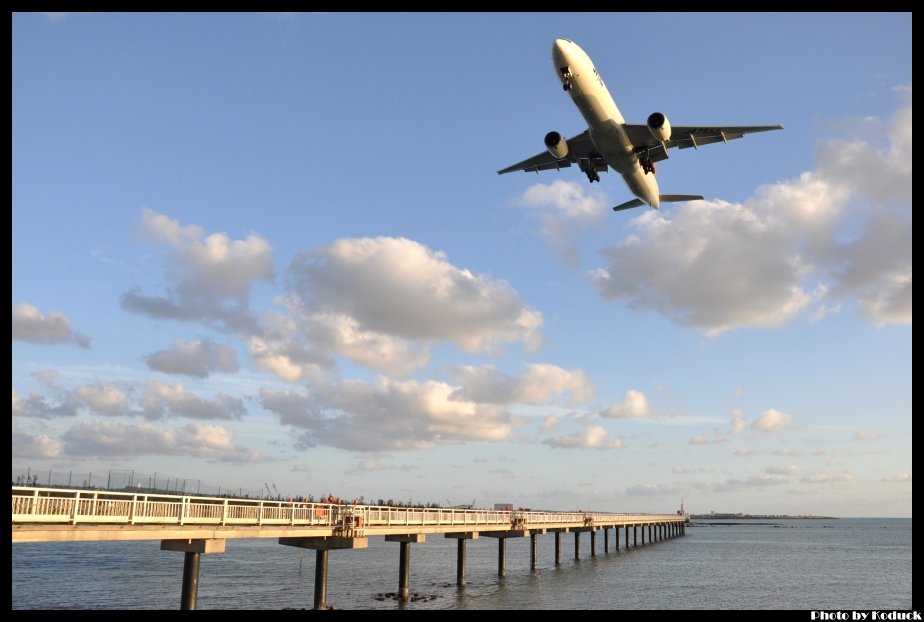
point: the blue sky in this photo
(256, 248)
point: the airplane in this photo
(609, 142)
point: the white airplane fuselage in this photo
(576, 71)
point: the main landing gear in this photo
(644, 158)
(590, 170)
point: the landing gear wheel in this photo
(566, 85)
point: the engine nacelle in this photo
(556, 145)
(659, 126)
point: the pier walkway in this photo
(196, 525)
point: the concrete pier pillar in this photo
(577, 545)
(558, 548)
(593, 543)
(460, 562)
(606, 540)
(404, 572)
(534, 551)
(190, 581)
(502, 557)
(461, 537)
(616, 533)
(320, 579)
(322, 545)
(193, 550)
(635, 536)
(404, 561)
(643, 533)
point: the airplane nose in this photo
(558, 49)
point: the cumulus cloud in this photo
(56, 17)
(901, 478)
(772, 421)
(401, 288)
(35, 447)
(108, 439)
(865, 436)
(208, 277)
(592, 437)
(550, 424)
(38, 406)
(634, 405)
(160, 400)
(539, 383)
(823, 478)
(387, 415)
(754, 482)
(714, 265)
(789, 469)
(744, 451)
(654, 490)
(30, 325)
(699, 439)
(566, 209)
(193, 358)
(738, 422)
(105, 399)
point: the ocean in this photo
(855, 563)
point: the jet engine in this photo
(556, 145)
(659, 126)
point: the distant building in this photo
(504, 507)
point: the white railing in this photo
(53, 505)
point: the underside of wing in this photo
(686, 136)
(576, 150)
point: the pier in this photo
(195, 525)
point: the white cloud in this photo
(714, 265)
(160, 400)
(109, 439)
(634, 405)
(550, 424)
(35, 447)
(538, 384)
(566, 209)
(744, 451)
(705, 440)
(401, 288)
(284, 350)
(30, 325)
(655, 490)
(772, 421)
(865, 436)
(900, 478)
(738, 422)
(208, 277)
(193, 358)
(102, 398)
(789, 469)
(822, 478)
(56, 17)
(36, 405)
(592, 437)
(387, 415)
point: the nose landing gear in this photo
(566, 78)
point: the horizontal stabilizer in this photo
(629, 205)
(674, 198)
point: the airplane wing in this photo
(580, 147)
(686, 136)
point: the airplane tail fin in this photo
(629, 205)
(664, 198)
